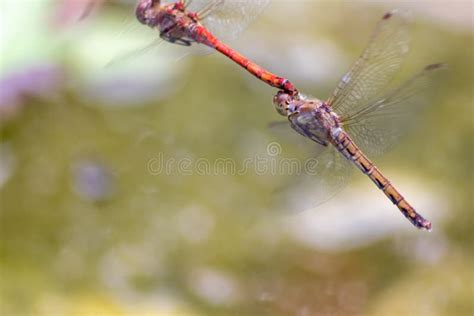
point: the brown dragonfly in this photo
(364, 115)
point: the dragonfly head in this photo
(285, 103)
(146, 11)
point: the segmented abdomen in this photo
(349, 149)
(203, 36)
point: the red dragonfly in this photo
(183, 22)
(363, 112)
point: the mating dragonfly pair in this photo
(361, 111)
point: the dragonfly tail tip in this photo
(424, 224)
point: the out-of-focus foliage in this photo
(90, 226)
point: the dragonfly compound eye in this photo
(144, 11)
(281, 102)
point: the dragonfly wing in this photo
(227, 18)
(376, 66)
(135, 53)
(140, 42)
(306, 174)
(224, 18)
(378, 126)
(321, 178)
(210, 7)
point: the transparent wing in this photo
(135, 42)
(224, 18)
(378, 126)
(131, 54)
(321, 179)
(227, 18)
(376, 66)
(208, 8)
(306, 173)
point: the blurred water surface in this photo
(108, 206)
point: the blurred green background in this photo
(89, 227)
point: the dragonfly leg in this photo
(176, 40)
(182, 42)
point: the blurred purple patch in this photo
(93, 181)
(15, 87)
(72, 11)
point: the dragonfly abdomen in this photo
(349, 149)
(203, 36)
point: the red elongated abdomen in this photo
(203, 36)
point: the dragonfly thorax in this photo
(313, 119)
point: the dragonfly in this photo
(364, 114)
(187, 22)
